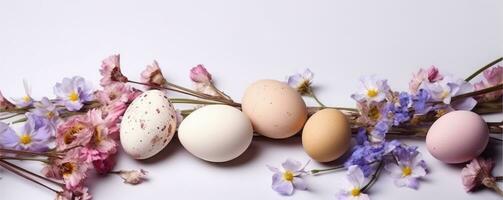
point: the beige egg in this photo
(326, 135)
(275, 109)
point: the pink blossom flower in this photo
(199, 74)
(71, 169)
(101, 144)
(76, 131)
(431, 75)
(133, 177)
(80, 193)
(492, 77)
(5, 105)
(111, 72)
(152, 75)
(113, 112)
(106, 165)
(476, 172)
(114, 92)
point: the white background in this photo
(240, 42)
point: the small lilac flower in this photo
(401, 111)
(74, 92)
(356, 180)
(26, 100)
(301, 82)
(372, 90)
(408, 169)
(199, 74)
(379, 132)
(284, 182)
(448, 87)
(420, 102)
(29, 139)
(48, 111)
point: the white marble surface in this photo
(240, 42)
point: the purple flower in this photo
(47, 112)
(284, 182)
(356, 180)
(26, 100)
(408, 168)
(29, 138)
(421, 105)
(379, 132)
(447, 88)
(401, 111)
(199, 74)
(74, 92)
(372, 90)
(301, 82)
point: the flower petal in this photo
(283, 187)
(355, 176)
(299, 183)
(292, 165)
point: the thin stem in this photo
(318, 171)
(33, 174)
(220, 92)
(27, 152)
(478, 92)
(27, 159)
(10, 116)
(311, 94)
(6, 166)
(374, 177)
(483, 68)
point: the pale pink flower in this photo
(199, 74)
(152, 75)
(71, 169)
(80, 193)
(114, 92)
(102, 144)
(76, 131)
(430, 75)
(114, 111)
(492, 77)
(5, 105)
(476, 172)
(133, 177)
(106, 165)
(111, 72)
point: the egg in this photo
(275, 109)
(216, 133)
(457, 137)
(148, 125)
(326, 135)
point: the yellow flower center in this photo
(26, 98)
(355, 192)
(25, 139)
(49, 115)
(372, 92)
(288, 176)
(73, 96)
(444, 94)
(406, 171)
(67, 169)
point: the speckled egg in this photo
(148, 125)
(216, 133)
(326, 135)
(275, 109)
(457, 137)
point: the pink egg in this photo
(457, 137)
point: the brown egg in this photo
(326, 135)
(275, 109)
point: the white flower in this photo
(407, 171)
(372, 90)
(356, 180)
(301, 82)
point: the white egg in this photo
(148, 125)
(216, 133)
